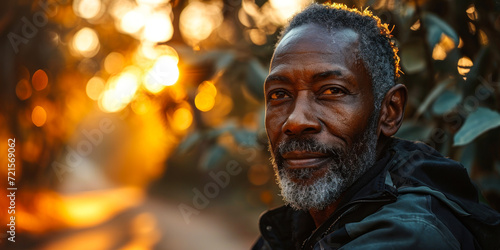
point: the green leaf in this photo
(212, 157)
(446, 102)
(436, 27)
(256, 75)
(413, 57)
(189, 142)
(229, 126)
(223, 61)
(482, 59)
(412, 130)
(435, 92)
(467, 157)
(477, 123)
(245, 137)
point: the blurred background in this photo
(139, 123)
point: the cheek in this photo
(274, 121)
(345, 121)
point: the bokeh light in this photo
(152, 2)
(88, 9)
(133, 21)
(158, 28)
(86, 42)
(23, 89)
(94, 87)
(164, 72)
(39, 116)
(182, 119)
(114, 62)
(205, 99)
(464, 65)
(39, 80)
(110, 101)
(120, 90)
(258, 37)
(141, 104)
(259, 174)
(445, 45)
(471, 12)
(191, 101)
(208, 87)
(198, 20)
(287, 8)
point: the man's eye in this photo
(279, 95)
(334, 91)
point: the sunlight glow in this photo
(182, 119)
(471, 12)
(198, 20)
(121, 90)
(94, 207)
(205, 99)
(445, 45)
(164, 72)
(287, 8)
(23, 89)
(114, 62)
(87, 9)
(133, 21)
(464, 65)
(86, 42)
(158, 28)
(39, 116)
(39, 80)
(94, 87)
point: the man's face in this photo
(319, 115)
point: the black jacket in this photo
(412, 198)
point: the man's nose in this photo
(302, 120)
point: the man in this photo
(332, 107)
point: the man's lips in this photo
(305, 159)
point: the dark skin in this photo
(317, 89)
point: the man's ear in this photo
(392, 110)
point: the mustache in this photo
(307, 145)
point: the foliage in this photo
(450, 56)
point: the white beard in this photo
(341, 173)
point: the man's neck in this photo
(320, 216)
